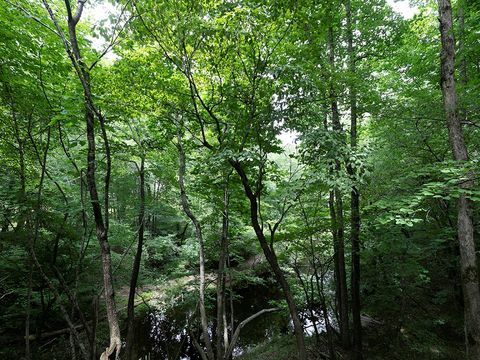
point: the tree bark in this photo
(136, 264)
(272, 260)
(468, 261)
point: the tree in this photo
(354, 194)
(468, 260)
(101, 220)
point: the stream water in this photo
(164, 335)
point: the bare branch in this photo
(236, 335)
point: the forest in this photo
(239, 179)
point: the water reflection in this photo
(318, 321)
(165, 335)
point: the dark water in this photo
(165, 335)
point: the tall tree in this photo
(138, 256)
(337, 202)
(101, 217)
(201, 246)
(355, 195)
(222, 331)
(468, 260)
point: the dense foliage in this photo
(184, 157)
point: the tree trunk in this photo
(101, 223)
(102, 235)
(468, 261)
(272, 260)
(339, 228)
(136, 265)
(355, 279)
(201, 247)
(355, 198)
(221, 276)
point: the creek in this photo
(164, 335)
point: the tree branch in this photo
(236, 335)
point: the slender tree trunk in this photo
(222, 340)
(101, 222)
(136, 264)
(201, 247)
(355, 279)
(342, 274)
(224, 318)
(333, 226)
(272, 260)
(339, 229)
(355, 198)
(468, 261)
(102, 236)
